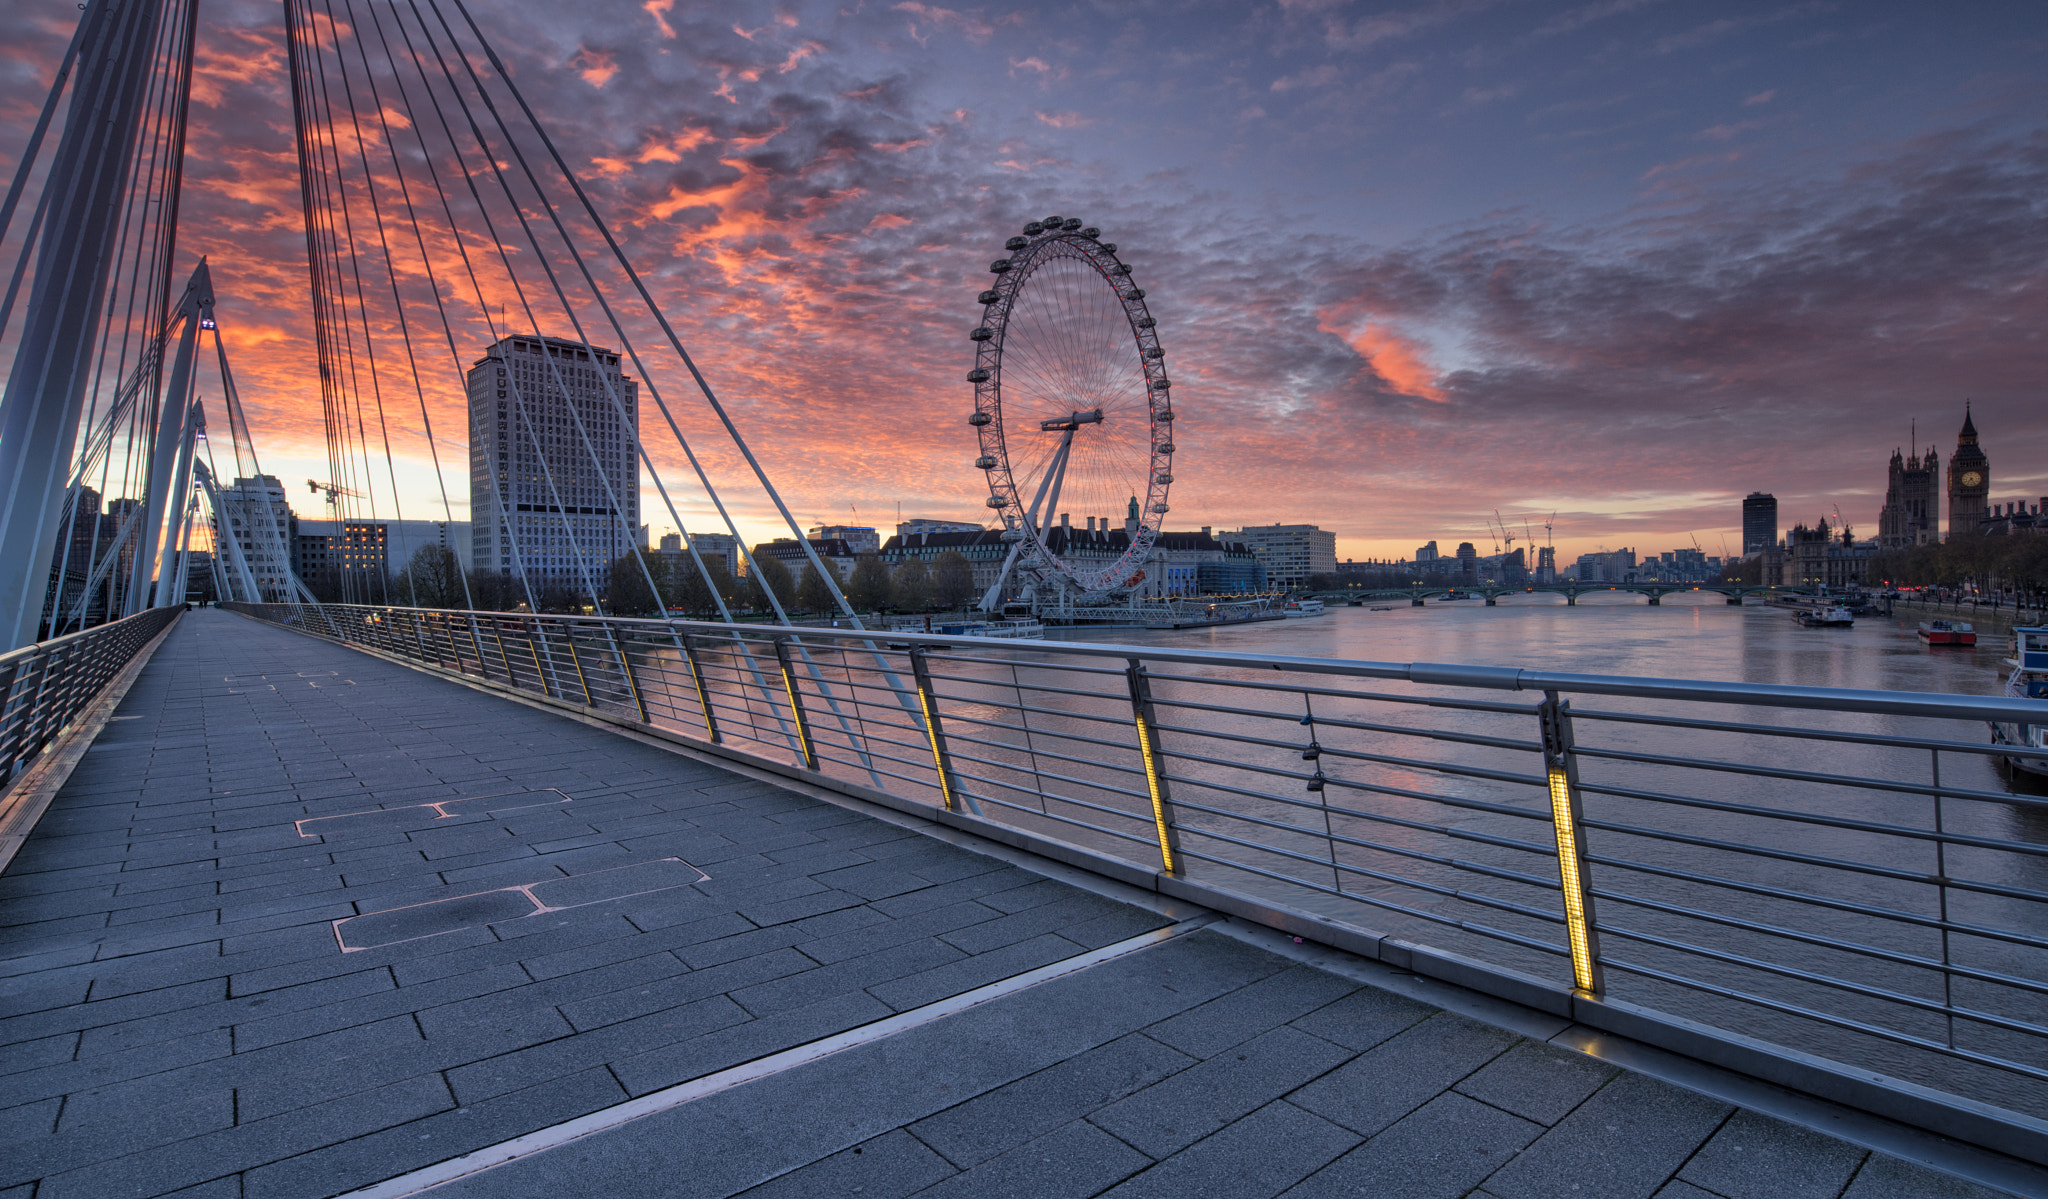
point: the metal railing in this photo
(1832, 889)
(45, 685)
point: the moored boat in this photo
(1302, 607)
(1833, 617)
(1947, 632)
(2029, 680)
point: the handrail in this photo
(44, 686)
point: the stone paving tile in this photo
(1632, 1135)
(1756, 1157)
(1008, 1116)
(1169, 1116)
(1889, 1178)
(1437, 1152)
(1384, 1084)
(1261, 1155)
(891, 1166)
(1075, 1160)
(1537, 1082)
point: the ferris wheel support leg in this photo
(1055, 478)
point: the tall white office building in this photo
(263, 528)
(559, 499)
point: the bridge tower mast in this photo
(116, 48)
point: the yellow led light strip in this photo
(703, 698)
(1568, 874)
(1158, 800)
(931, 734)
(796, 710)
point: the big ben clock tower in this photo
(1969, 481)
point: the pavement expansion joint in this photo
(436, 917)
(395, 819)
(492, 1156)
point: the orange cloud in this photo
(596, 66)
(1397, 360)
(658, 9)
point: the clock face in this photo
(1972, 479)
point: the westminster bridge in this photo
(1733, 593)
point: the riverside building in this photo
(554, 473)
(1290, 553)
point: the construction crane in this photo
(332, 490)
(1506, 536)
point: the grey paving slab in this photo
(1889, 1178)
(1076, 1160)
(891, 1166)
(1438, 1152)
(1387, 1082)
(1259, 1156)
(1031, 1107)
(1170, 1115)
(1626, 1141)
(1537, 1082)
(1756, 1157)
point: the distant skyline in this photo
(1625, 260)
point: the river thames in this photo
(1613, 633)
(1639, 804)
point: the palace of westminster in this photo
(1912, 515)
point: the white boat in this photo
(1302, 607)
(1833, 617)
(2029, 680)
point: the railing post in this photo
(8, 674)
(796, 703)
(689, 645)
(576, 660)
(540, 674)
(626, 668)
(928, 700)
(1155, 774)
(498, 635)
(1561, 771)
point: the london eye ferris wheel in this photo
(1072, 407)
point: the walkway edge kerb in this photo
(1997, 1129)
(23, 802)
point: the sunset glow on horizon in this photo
(1623, 262)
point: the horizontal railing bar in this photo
(1352, 755)
(1412, 884)
(1135, 795)
(1843, 822)
(1842, 1022)
(1482, 930)
(1134, 838)
(1163, 701)
(1543, 850)
(1790, 731)
(1386, 697)
(1927, 790)
(1786, 855)
(1122, 746)
(1863, 908)
(1418, 855)
(1879, 953)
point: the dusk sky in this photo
(1625, 260)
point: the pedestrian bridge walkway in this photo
(306, 922)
